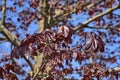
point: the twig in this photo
(29, 62)
(91, 59)
(35, 76)
(3, 11)
(104, 27)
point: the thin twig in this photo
(3, 11)
(104, 27)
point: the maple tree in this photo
(60, 48)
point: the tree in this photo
(62, 45)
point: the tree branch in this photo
(40, 64)
(96, 17)
(14, 40)
(117, 69)
(60, 17)
(43, 24)
(44, 8)
(85, 6)
(104, 27)
(11, 37)
(3, 11)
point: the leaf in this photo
(11, 76)
(2, 73)
(95, 45)
(63, 30)
(75, 55)
(88, 45)
(17, 68)
(91, 12)
(28, 77)
(100, 44)
(8, 67)
(110, 16)
(19, 50)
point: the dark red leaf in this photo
(2, 73)
(11, 76)
(63, 30)
(91, 13)
(8, 67)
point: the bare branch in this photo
(3, 11)
(105, 27)
(96, 17)
(44, 13)
(117, 69)
(39, 65)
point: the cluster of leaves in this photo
(94, 44)
(55, 45)
(9, 71)
(52, 44)
(97, 71)
(47, 42)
